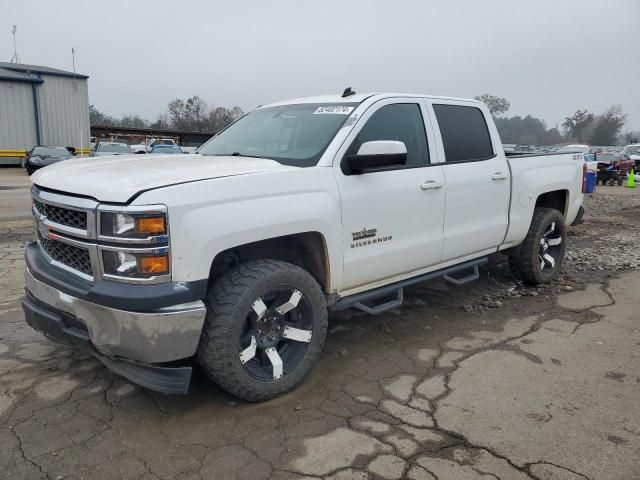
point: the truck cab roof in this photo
(361, 97)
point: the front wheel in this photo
(265, 327)
(539, 257)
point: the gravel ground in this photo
(609, 239)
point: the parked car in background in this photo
(524, 149)
(152, 142)
(111, 148)
(509, 148)
(633, 151)
(575, 149)
(166, 149)
(613, 167)
(42, 156)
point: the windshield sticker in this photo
(334, 109)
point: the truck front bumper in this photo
(131, 343)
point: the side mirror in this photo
(377, 154)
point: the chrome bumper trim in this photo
(164, 335)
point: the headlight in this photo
(35, 160)
(134, 243)
(136, 264)
(133, 225)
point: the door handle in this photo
(499, 176)
(430, 185)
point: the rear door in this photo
(392, 219)
(477, 178)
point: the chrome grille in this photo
(61, 215)
(77, 258)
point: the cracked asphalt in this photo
(491, 380)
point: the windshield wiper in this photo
(234, 154)
(238, 154)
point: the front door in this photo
(392, 219)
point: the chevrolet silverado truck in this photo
(233, 256)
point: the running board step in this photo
(383, 307)
(473, 276)
(358, 300)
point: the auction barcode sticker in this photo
(335, 109)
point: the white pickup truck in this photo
(233, 256)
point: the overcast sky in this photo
(548, 57)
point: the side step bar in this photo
(473, 276)
(361, 301)
(383, 307)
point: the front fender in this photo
(211, 216)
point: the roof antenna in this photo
(15, 58)
(348, 92)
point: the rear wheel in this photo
(265, 326)
(539, 257)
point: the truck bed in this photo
(534, 174)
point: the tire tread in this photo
(215, 353)
(524, 264)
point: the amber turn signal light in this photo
(157, 265)
(153, 225)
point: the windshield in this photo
(290, 134)
(51, 152)
(166, 149)
(113, 148)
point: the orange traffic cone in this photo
(631, 179)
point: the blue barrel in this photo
(590, 182)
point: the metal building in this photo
(41, 106)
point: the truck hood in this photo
(119, 178)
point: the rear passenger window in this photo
(464, 133)
(398, 121)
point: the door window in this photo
(464, 132)
(399, 121)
